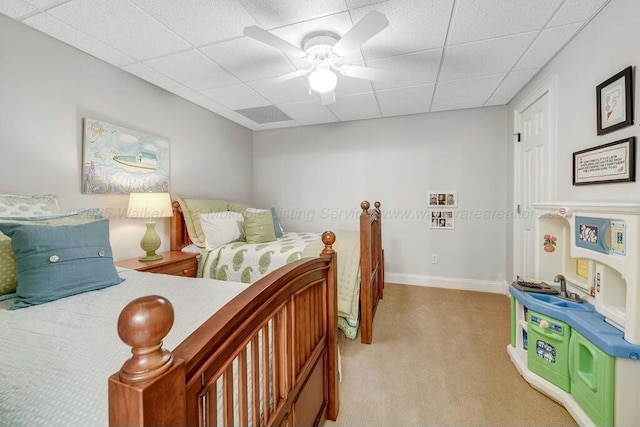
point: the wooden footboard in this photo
(371, 267)
(371, 260)
(268, 357)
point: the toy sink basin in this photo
(560, 302)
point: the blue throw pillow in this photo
(276, 224)
(57, 261)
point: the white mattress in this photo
(55, 358)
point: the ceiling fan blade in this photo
(370, 25)
(266, 37)
(375, 74)
(292, 75)
(328, 97)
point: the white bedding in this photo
(40, 336)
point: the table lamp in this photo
(150, 205)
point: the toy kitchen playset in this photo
(575, 327)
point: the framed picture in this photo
(447, 199)
(118, 160)
(615, 102)
(613, 162)
(443, 219)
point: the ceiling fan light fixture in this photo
(322, 80)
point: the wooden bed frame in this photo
(286, 321)
(371, 260)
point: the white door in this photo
(534, 163)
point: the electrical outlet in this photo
(434, 258)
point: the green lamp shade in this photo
(150, 243)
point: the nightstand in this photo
(175, 263)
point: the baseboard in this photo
(496, 287)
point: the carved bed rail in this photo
(371, 267)
(268, 357)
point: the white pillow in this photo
(221, 228)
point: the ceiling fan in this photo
(325, 51)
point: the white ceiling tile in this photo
(409, 70)
(456, 106)
(414, 25)
(483, 19)
(238, 118)
(236, 97)
(353, 4)
(248, 59)
(277, 13)
(548, 43)
(576, 11)
(43, 3)
(293, 90)
(121, 25)
(415, 96)
(355, 107)
(352, 85)
(278, 125)
(158, 79)
(203, 101)
(460, 91)
(309, 112)
(405, 111)
(16, 8)
(514, 81)
(66, 33)
(496, 100)
(200, 22)
(485, 57)
(192, 69)
(337, 25)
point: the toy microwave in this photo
(602, 235)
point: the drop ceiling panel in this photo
(548, 43)
(66, 33)
(152, 76)
(248, 59)
(475, 52)
(409, 70)
(484, 19)
(513, 83)
(414, 25)
(355, 107)
(484, 57)
(459, 91)
(16, 8)
(576, 11)
(293, 90)
(192, 69)
(236, 97)
(407, 97)
(309, 112)
(277, 13)
(200, 22)
(121, 25)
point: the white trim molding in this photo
(496, 287)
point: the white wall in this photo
(605, 47)
(46, 87)
(316, 177)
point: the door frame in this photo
(548, 87)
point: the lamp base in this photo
(153, 257)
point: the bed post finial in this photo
(143, 324)
(365, 206)
(328, 238)
(377, 204)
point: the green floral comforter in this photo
(248, 262)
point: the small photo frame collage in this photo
(440, 202)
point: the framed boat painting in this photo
(118, 160)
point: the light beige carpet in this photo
(439, 358)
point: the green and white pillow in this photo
(13, 205)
